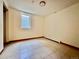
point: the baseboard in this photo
(42, 37)
(14, 41)
(24, 39)
(69, 45)
(1, 51)
(51, 40)
(63, 43)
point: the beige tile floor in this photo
(39, 49)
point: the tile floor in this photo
(39, 49)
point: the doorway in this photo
(5, 10)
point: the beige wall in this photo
(1, 25)
(15, 30)
(64, 26)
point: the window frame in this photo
(30, 20)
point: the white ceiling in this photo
(51, 6)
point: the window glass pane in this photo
(25, 23)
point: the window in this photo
(25, 21)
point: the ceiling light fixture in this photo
(42, 3)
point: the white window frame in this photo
(29, 15)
